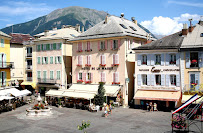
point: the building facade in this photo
(5, 64)
(103, 54)
(53, 58)
(191, 60)
(157, 73)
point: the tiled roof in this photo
(19, 38)
(4, 34)
(173, 41)
(115, 26)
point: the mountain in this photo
(67, 16)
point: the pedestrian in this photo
(151, 106)
(142, 104)
(147, 104)
(105, 111)
(155, 107)
(110, 108)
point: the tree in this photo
(99, 98)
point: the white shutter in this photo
(116, 77)
(138, 59)
(178, 80)
(187, 59)
(4, 60)
(152, 79)
(117, 59)
(162, 79)
(177, 59)
(80, 60)
(148, 79)
(1, 60)
(139, 79)
(148, 60)
(89, 60)
(4, 77)
(167, 80)
(167, 59)
(162, 59)
(153, 58)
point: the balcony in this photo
(28, 55)
(29, 67)
(6, 65)
(29, 78)
(193, 88)
(46, 81)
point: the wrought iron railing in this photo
(29, 55)
(6, 65)
(48, 81)
(193, 88)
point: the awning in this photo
(5, 98)
(29, 83)
(56, 93)
(111, 90)
(186, 97)
(158, 95)
(25, 92)
(84, 95)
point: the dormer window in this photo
(133, 28)
(124, 27)
(201, 35)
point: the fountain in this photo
(39, 109)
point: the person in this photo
(155, 107)
(110, 107)
(147, 104)
(151, 106)
(105, 111)
(142, 104)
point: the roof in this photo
(193, 39)
(169, 42)
(64, 33)
(114, 27)
(19, 38)
(4, 34)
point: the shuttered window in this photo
(51, 74)
(38, 60)
(2, 42)
(58, 75)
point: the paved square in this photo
(122, 120)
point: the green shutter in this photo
(42, 61)
(47, 60)
(51, 60)
(60, 45)
(5, 76)
(55, 59)
(48, 47)
(60, 59)
(42, 47)
(2, 42)
(1, 78)
(54, 46)
(38, 60)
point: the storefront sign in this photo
(159, 70)
(97, 68)
(155, 70)
(171, 69)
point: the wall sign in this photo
(159, 70)
(97, 68)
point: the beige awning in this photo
(111, 90)
(83, 95)
(158, 95)
(56, 93)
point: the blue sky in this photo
(159, 16)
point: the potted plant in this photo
(179, 122)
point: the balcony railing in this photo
(9, 83)
(29, 55)
(29, 78)
(29, 67)
(46, 81)
(6, 65)
(193, 88)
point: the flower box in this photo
(115, 83)
(79, 81)
(88, 82)
(115, 64)
(102, 64)
(79, 50)
(79, 65)
(172, 62)
(194, 84)
(144, 63)
(179, 122)
(88, 50)
(88, 65)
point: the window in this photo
(51, 46)
(38, 48)
(172, 59)
(3, 78)
(116, 59)
(158, 59)
(79, 47)
(102, 60)
(88, 47)
(102, 45)
(116, 78)
(115, 44)
(144, 79)
(44, 60)
(132, 28)
(173, 80)
(51, 74)
(158, 79)
(194, 79)
(88, 61)
(54, 46)
(144, 59)
(88, 76)
(103, 77)
(79, 76)
(47, 46)
(51, 60)
(201, 35)
(123, 26)
(38, 74)
(79, 60)
(58, 75)
(59, 46)
(44, 47)
(2, 42)
(194, 59)
(58, 59)
(38, 60)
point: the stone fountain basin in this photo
(40, 112)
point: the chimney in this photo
(106, 20)
(54, 28)
(191, 27)
(78, 27)
(185, 29)
(63, 26)
(133, 19)
(201, 21)
(46, 32)
(122, 15)
(83, 29)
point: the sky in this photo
(161, 17)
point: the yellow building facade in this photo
(5, 64)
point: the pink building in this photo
(104, 54)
